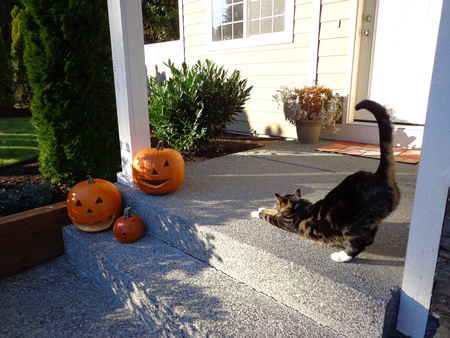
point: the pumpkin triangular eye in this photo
(78, 204)
(167, 163)
(141, 162)
(99, 200)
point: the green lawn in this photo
(17, 141)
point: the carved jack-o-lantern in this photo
(94, 205)
(157, 170)
(128, 228)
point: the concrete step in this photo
(205, 266)
(177, 295)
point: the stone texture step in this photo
(208, 218)
(175, 294)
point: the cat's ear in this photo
(297, 193)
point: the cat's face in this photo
(293, 203)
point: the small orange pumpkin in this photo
(94, 205)
(128, 228)
(158, 170)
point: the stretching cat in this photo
(349, 214)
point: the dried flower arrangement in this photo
(313, 103)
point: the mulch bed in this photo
(229, 143)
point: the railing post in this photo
(430, 198)
(127, 41)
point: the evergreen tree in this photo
(5, 20)
(161, 20)
(21, 85)
(69, 62)
(6, 88)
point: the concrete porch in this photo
(206, 268)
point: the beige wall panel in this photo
(331, 47)
(332, 64)
(302, 26)
(336, 82)
(335, 11)
(196, 30)
(303, 10)
(331, 30)
(274, 82)
(261, 128)
(271, 57)
(275, 69)
(195, 6)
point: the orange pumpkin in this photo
(158, 170)
(128, 228)
(94, 205)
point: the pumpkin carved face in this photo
(157, 170)
(94, 205)
(128, 228)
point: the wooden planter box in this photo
(31, 237)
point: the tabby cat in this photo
(349, 214)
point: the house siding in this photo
(268, 67)
(333, 44)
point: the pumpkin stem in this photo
(90, 180)
(127, 212)
(160, 145)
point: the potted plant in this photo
(310, 108)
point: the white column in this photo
(431, 193)
(127, 41)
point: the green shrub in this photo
(69, 62)
(196, 104)
(29, 196)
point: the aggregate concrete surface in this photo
(56, 300)
(208, 219)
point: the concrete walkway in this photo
(205, 267)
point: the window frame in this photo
(287, 36)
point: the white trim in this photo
(127, 43)
(430, 196)
(356, 10)
(256, 40)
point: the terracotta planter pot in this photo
(308, 131)
(31, 237)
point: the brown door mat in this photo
(402, 155)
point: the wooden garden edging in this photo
(31, 237)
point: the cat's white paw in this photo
(340, 257)
(255, 214)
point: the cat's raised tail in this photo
(387, 161)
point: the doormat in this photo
(403, 155)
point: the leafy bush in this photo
(69, 62)
(195, 104)
(29, 196)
